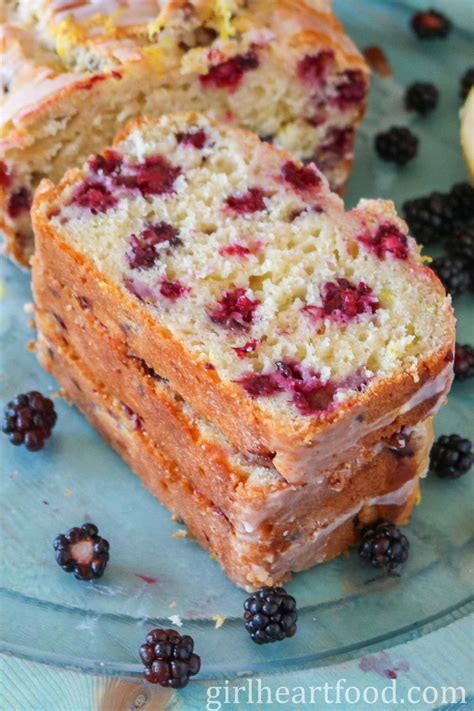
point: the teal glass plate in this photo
(155, 578)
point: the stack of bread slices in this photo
(265, 361)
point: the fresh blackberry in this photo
(463, 244)
(82, 551)
(421, 97)
(169, 658)
(451, 456)
(454, 272)
(461, 200)
(430, 24)
(397, 145)
(270, 615)
(29, 420)
(430, 218)
(384, 546)
(463, 361)
(466, 83)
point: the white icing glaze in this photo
(287, 503)
(131, 12)
(27, 99)
(340, 441)
(309, 550)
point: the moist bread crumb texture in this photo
(304, 344)
(75, 72)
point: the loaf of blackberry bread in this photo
(267, 528)
(235, 274)
(73, 72)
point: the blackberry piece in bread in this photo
(73, 73)
(233, 272)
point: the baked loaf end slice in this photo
(74, 72)
(300, 329)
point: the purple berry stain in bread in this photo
(156, 176)
(235, 250)
(260, 384)
(245, 350)
(251, 201)
(19, 202)
(94, 196)
(229, 74)
(387, 239)
(314, 68)
(300, 177)
(351, 90)
(308, 392)
(195, 139)
(338, 144)
(235, 310)
(142, 253)
(344, 301)
(107, 164)
(5, 177)
(173, 290)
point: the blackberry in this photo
(421, 97)
(451, 456)
(461, 200)
(82, 551)
(29, 420)
(466, 83)
(270, 615)
(463, 361)
(431, 217)
(430, 24)
(463, 244)
(169, 658)
(454, 272)
(397, 145)
(384, 546)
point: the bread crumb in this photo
(172, 604)
(182, 533)
(219, 620)
(31, 346)
(29, 307)
(176, 620)
(68, 493)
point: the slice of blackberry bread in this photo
(253, 548)
(74, 72)
(236, 274)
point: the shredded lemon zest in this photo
(155, 57)
(223, 10)
(219, 620)
(69, 33)
(155, 26)
(418, 497)
(426, 259)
